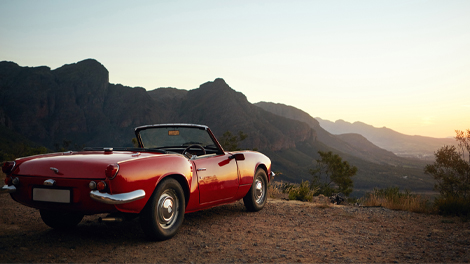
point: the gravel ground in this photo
(284, 231)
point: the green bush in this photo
(301, 192)
(451, 170)
(453, 206)
(286, 187)
(332, 175)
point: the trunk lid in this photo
(75, 165)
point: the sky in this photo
(403, 65)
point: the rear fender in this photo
(247, 168)
(146, 175)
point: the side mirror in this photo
(238, 156)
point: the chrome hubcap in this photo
(167, 209)
(259, 191)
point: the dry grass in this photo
(281, 190)
(392, 198)
(275, 191)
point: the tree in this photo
(67, 145)
(451, 170)
(332, 174)
(230, 142)
(135, 143)
(21, 150)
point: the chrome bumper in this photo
(120, 198)
(8, 189)
(271, 175)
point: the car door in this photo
(217, 178)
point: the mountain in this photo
(377, 166)
(400, 144)
(352, 144)
(74, 102)
(77, 103)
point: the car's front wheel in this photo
(164, 212)
(256, 197)
(60, 220)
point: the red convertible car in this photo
(177, 169)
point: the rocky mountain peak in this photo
(218, 83)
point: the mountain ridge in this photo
(402, 145)
(348, 144)
(76, 102)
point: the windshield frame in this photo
(218, 148)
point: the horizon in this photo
(403, 65)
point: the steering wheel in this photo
(185, 151)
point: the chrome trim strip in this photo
(171, 125)
(120, 198)
(8, 189)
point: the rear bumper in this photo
(271, 176)
(8, 189)
(120, 198)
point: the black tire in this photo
(257, 196)
(60, 220)
(159, 219)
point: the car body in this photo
(177, 169)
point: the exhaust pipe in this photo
(111, 219)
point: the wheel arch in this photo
(263, 167)
(183, 183)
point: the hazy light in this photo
(399, 64)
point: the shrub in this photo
(301, 192)
(275, 190)
(332, 175)
(453, 206)
(451, 170)
(286, 187)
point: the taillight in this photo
(101, 186)
(7, 181)
(8, 167)
(111, 171)
(12, 181)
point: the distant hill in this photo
(377, 166)
(77, 103)
(354, 145)
(400, 144)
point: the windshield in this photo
(161, 137)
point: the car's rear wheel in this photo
(256, 197)
(60, 220)
(164, 212)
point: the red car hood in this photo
(78, 165)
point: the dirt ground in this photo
(283, 232)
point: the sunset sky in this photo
(400, 64)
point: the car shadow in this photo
(130, 232)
